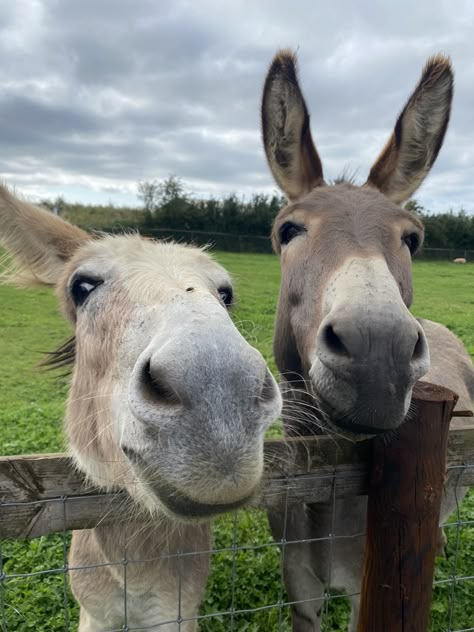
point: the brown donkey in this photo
(345, 343)
(167, 402)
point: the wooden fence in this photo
(42, 494)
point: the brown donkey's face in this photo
(167, 399)
(345, 292)
(343, 329)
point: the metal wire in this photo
(125, 627)
(2, 592)
(331, 546)
(456, 556)
(234, 569)
(65, 569)
(234, 611)
(180, 583)
(283, 543)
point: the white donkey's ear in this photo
(418, 135)
(291, 154)
(38, 242)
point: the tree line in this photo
(167, 204)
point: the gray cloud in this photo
(95, 96)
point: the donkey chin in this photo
(364, 406)
(197, 493)
(181, 507)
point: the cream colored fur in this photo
(168, 404)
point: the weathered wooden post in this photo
(405, 491)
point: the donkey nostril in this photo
(155, 387)
(269, 391)
(333, 342)
(419, 350)
(130, 453)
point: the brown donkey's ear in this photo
(290, 150)
(418, 135)
(38, 242)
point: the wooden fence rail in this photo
(44, 493)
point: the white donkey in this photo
(167, 402)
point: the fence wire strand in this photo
(65, 568)
(2, 589)
(283, 544)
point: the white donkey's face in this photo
(167, 399)
(167, 396)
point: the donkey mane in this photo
(63, 356)
(347, 176)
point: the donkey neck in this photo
(159, 569)
(159, 542)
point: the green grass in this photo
(445, 292)
(31, 409)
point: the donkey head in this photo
(167, 399)
(343, 328)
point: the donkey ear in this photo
(38, 242)
(418, 135)
(291, 154)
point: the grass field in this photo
(31, 408)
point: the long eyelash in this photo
(63, 356)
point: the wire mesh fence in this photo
(454, 577)
(237, 551)
(261, 243)
(244, 590)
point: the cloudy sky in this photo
(96, 95)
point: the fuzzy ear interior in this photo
(418, 134)
(291, 154)
(38, 242)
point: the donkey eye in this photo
(289, 231)
(226, 295)
(412, 241)
(81, 288)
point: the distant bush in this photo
(97, 217)
(168, 206)
(446, 230)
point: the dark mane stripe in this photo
(63, 356)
